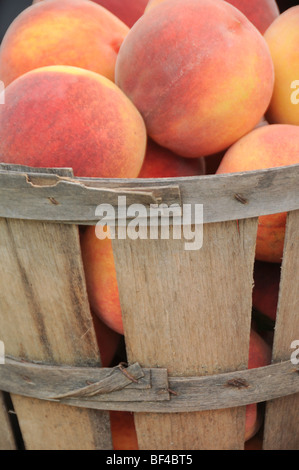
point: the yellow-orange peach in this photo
(69, 32)
(129, 11)
(160, 162)
(64, 116)
(282, 38)
(268, 146)
(98, 255)
(123, 431)
(101, 279)
(260, 12)
(199, 72)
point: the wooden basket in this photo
(187, 315)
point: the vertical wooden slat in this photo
(7, 440)
(189, 311)
(282, 415)
(45, 316)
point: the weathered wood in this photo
(190, 312)
(282, 415)
(7, 439)
(151, 390)
(74, 200)
(50, 197)
(155, 279)
(45, 316)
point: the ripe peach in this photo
(260, 353)
(212, 162)
(268, 146)
(129, 11)
(160, 162)
(282, 38)
(260, 12)
(69, 32)
(101, 279)
(123, 430)
(98, 255)
(177, 50)
(63, 116)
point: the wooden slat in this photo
(74, 200)
(7, 440)
(139, 389)
(282, 415)
(45, 316)
(189, 311)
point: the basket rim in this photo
(55, 195)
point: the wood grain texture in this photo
(74, 200)
(7, 440)
(189, 311)
(282, 415)
(45, 316)
(151, 390)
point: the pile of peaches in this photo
(153, 89)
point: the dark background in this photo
(9, 9)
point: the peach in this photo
(101, 282)
(260, 12)
(260, 353)
(252, 421)
(64, 116)
(268, 146)
(212, 162)
(98, 255)
(160, 162)
(129, 11)
(123, 430)
(282, 38)
(69, 32)
(177, 51)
